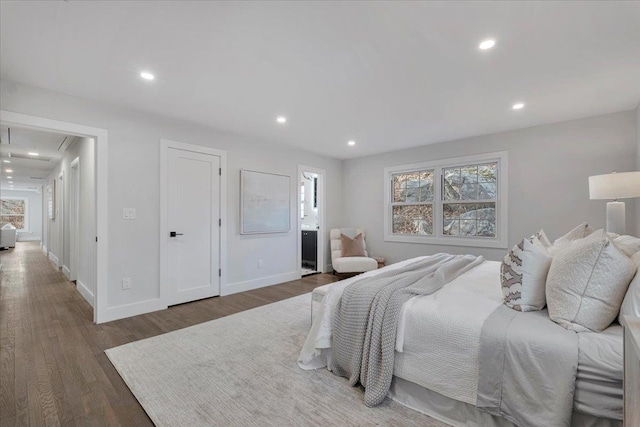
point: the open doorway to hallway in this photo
(311, 220)
(47, 193)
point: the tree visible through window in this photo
(413, 203)
(459, 201)
(13, 211)
(469, 200)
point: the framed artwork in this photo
(265, 202)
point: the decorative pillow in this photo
(523, 273)
(580, 232)
(352, 247)
(631, 303)
(628, 244)
(587, 282)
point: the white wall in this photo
(134, 169)
(638, 166)
(549, 168)
(34, 214)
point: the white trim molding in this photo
(501, 239)
(134, 309)
(66, 272)
(54, 259)
(85, 292)
(165, 145)
(234, 288)
(101, 194)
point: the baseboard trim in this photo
(84, 291)
(44, 248)
(54, 259)
(234, 288)
(66, 272)
(28, 239)
(129, 310)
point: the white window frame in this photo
(438, 238)
(26, 212)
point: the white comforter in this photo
(438, 335)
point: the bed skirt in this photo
(462, 414)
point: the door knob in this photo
(174, 234)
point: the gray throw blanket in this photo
(366, 318)
(527, 368)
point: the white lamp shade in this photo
(622, 185)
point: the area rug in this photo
(241, 370)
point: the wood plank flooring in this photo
(53, 370)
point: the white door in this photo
(193, 214)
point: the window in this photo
(412, 204)
(13, 210)
(460, 201)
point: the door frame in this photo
(74, 217)
(320, 262)
(60, 217)
(165, 145)
(100, 136)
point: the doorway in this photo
(97, 237)
(192, 209)
(311, 230)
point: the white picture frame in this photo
(265, 202)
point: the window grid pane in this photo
(469, 219)
(413, 219)
(413, 187)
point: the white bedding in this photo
(438, 335)
(441, 338)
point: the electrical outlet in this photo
(126, 283)
(128, 213)
(260, 263)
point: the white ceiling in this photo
(29, 172)
(388, 74)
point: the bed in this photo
(443, 362)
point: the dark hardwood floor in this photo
(53, 370)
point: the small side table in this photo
(381, 261)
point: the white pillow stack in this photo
(587, 281)
(580, 232)
(523, 273)
(631, 303)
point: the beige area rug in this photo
(241, 370)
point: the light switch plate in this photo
(126, 283)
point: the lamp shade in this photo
(614, 186)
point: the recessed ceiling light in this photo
(147, 75)
(10, 182)
(8, 170)
(352, 142)
(281, 119)
(9, 177)
(31, 153)
(6, 161)
(518, 106)
(487, 44)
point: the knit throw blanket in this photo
(366, 318)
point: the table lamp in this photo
(615, 186)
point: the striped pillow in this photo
(523, 273)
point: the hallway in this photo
(53, 369)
